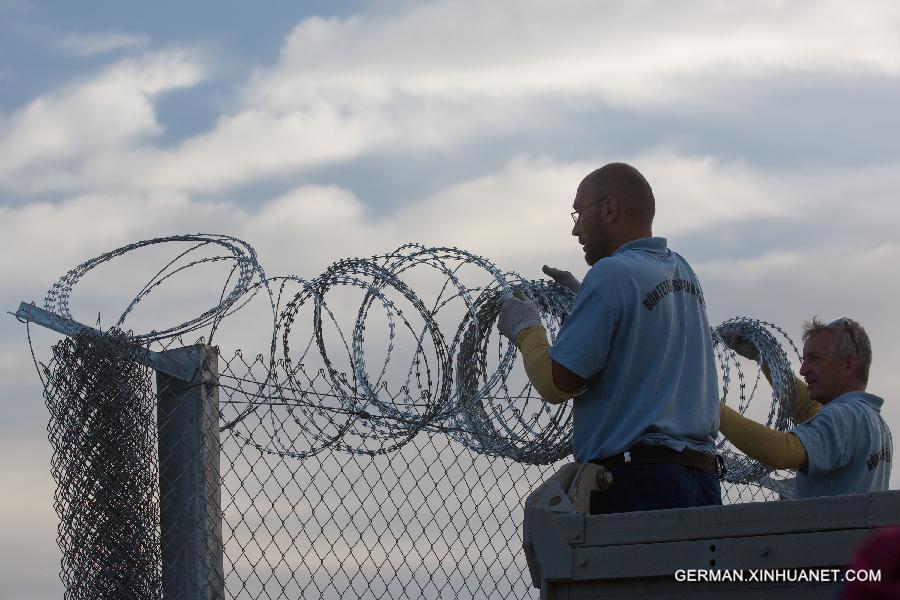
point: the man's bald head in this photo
(628, 186)
(614, 205)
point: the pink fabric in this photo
(881, 551)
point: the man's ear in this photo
(851, 365)
(610, 209)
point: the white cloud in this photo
(415, 80)
(254, 144)
(696, 192)
(60, 235)
(103, 114)
(90, 44)
(521, 211)
(516, 217)
(518, 211)
(16, 366)
(645, 52)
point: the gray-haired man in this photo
(843, 445)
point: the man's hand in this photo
(741, 345)
(517, 313)
(562, 278)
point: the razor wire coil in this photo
(362, 360)
(763, 337)
(458, 378)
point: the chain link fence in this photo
(103, 432)
(382, 448)
(165, 492)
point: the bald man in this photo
(635, 353)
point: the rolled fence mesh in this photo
(103, 432)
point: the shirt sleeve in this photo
(777, 449)
(583, 342)
(533, 345)
(827, 439)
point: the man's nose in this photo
(804, 369)
(576, 229)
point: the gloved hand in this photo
(562, 278)
(516, 314)
(741, 345)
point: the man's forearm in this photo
(777, 449)
(535, 347)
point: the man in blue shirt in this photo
(635, 353)
(842, 445)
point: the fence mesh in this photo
(382, 449)
(432, 519)
(103, 432)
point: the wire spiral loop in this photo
(377, 350)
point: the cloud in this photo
(254, 144)
(516, 216)
(251, 145)
(643, 52)
(521, 210)
(103, 114)
(530, 198)
(413, 81)
(697, 192)
(90, 44)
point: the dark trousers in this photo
(656, 486)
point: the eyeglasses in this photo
(845, 321)
(577, 213)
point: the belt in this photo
(645, 454)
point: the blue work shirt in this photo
(849, 447)
(639, 335)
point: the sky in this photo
(322, 130)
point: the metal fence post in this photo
(189, 480)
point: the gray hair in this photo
(850, 339)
